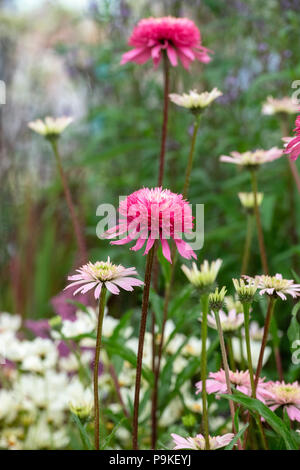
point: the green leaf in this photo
(236, 438)
(108, 439)
(83, 433)
(272, 419)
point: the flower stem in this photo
(96, 366)
(248, 241)
(270, 311)
(204, 305)
(226, 370)
(165, 120)
(191, 157)
(76, 225)
(145, 303)
(258, 223)
(230, 353)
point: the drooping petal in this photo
(166, 250)
(112, 287)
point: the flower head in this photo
(179, 37)
(198, 442)
(286, 395)
(151, 214)
(247, 199)
(280, 105)
(216, 299)
(204, 277)
(275, 286)
(293, 145)
(253, 159)
(245, 291)
(229, 322)
(112, 276)
(195, 101)
(50, 127)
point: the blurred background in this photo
(63, 58)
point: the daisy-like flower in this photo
(275, 286)
(198, 442)
(292, 146)
(280, 105)
(179, 37)
(247, 199)
(286, 395)
(240, 380)
(253, 159)
(245, 291)
(195, 101)
(204, 277)
(229, 322)
(50, 127)
(112, 276)
(151, 214)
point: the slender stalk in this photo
(260, 234)
(76, 225)
(165, 120)
(230, 352)
(204, 304)
(276, 342)
(191, 157)
(241, 350)
(96, 367)
(226, 370)
(118, 391)
(270, 311)
(248, 240)
(145, 303)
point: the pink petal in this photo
(139, 244)
(166, 250)
(172, 55)
(98, 290)
(185, 249)
(293, 412)
(149, 245)
(112, 287)
(139, 55)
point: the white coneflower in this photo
(245, 291)
(230, 321)
(50, 127)
(253, 159)
(204, 277)
(195, 101)
(280, 105)
(247, 199)
(275, 286)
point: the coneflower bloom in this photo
(247, 199)
(240, 380)
(112, 276)
(50, 127)
(253, 159)
(286, 395)
(198, 442)
(230, 321)
(194, 100)
(179, 37)
(293, 145)
(150, 214)
(275, 286)
(204, 277)
(280, 105)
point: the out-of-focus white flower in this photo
(194, 100)
(171, 413)
(9, 322)
(229, 322)
(8, 406)
(41, 355)
(280, 105)
(50, 127)
(253, 159)
(41, 436)
(247, 199)
(255, 350)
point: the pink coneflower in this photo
(179, 37)
(112, 276)
(198, 442)
(152, 214)
(275, 286)
(293, 146)
(252, 159)
(230, 321)
(240, 380)
(286, 395)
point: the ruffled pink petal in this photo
(293, 412)
(127, 283)
(185, 249)
(166, 250)
(139, 55)
(123, 241)
(98, 291)
(112, 287)
(139, 244)
(184, 60)
(172, 55)
(149, 245)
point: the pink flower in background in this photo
(216, 383)
(275, 285)
(112, 276)
(151, 214)
(198, 442)
(286, 395)
(293, 145)
(179, 37)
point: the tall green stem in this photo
(145, 304)
(247, 248)
(230, 353)
(191, 157)
(75, 222)
(204, 304)
(96, 367)
(260, 234)
(269, 315)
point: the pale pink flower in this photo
(286, 395)
(112, 276)
(198, 442)
(275, 286)
(229, 322)
(150, 214)
(252, 159)
(240, 380)
(293, 145)
(179, 37)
